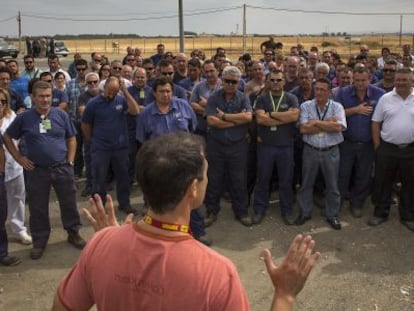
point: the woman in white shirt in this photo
(14, 180)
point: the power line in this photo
(75, 19)
(331, 12)
(8, 19)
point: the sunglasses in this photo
(149, 68)
(388, 70)
(117, 68)
(170, 73)
(80, 69)
(50, 81)
(275, 80)
(92, 82)
(230, 81)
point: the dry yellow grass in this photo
(234, 44)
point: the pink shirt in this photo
(126, 268)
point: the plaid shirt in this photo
(74, 89)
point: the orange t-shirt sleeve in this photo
(75, 290)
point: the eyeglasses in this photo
(230, 81)
(92, 82)
(388, 70)
(275, 80)
(80, 69)
(169, 73)
(117, 68)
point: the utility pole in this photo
(19, 22)
(181, 25)
(244, 28)
(401, 24)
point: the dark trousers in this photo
(391, 161)
(3, 217)
(88, 163)
(39, 182)
(267, 158)
(132, 153)
(101, 160)
(231, 160)
(357, 164)
(79, 161)
(197, 223)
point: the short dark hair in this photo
(360, 69)
(195, 62)
(391, 62)
(81, 62)
(166, 167)
(325, 81)
(6, 70)
(44, 74)
(209, 61)
(53, 56)
(164, 63)
(27, 56)
(147, 61)
(161, 81)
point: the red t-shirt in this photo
(126, 268)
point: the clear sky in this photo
(159, 17)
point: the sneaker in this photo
(76, 240)
(210, 219)
(25, 239)
(205, 239)
(10, 261)
(128, 209)
(36, 253)
(86, 192)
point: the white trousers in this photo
(16, 196)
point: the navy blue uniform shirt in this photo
(108, 121)
(48, 148)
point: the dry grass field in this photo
(234, 44)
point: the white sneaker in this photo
(25, 239)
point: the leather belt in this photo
(56, 165)
(320, 149)
(401, 146)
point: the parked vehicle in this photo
(7, 49)
(61, 49)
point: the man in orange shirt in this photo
(155, 264)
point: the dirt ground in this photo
(361, 268)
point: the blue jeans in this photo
(328, 162)
(267, 158)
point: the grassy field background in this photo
(345, 46)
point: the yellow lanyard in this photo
(276, 109)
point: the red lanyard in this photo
(166, 226)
